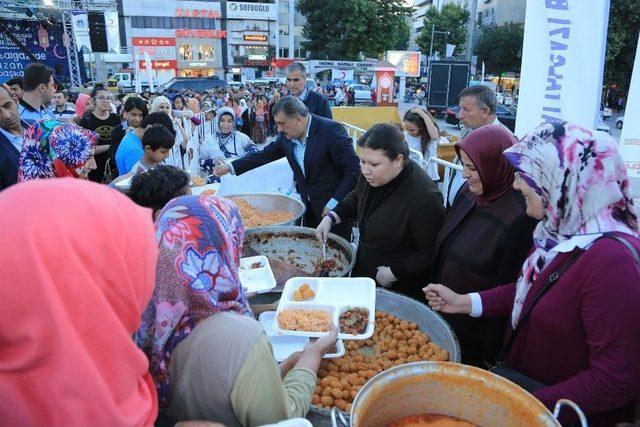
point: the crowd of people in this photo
(530, 252)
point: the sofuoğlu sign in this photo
(260, 11)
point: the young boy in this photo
(157, 143)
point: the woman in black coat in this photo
(399, 211)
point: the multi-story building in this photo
(291, 23)
(182, 37)
(500, 12)
(420, 8)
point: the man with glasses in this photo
(39, 87)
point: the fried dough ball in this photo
(395, 342)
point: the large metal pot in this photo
(294, 251)
(409, 309)
(274, 202)
(445, 388)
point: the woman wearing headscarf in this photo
(185, 150)
(71, 304)
(484, 239)
(54, 149)
(84, 104)
(579, 339)
(225, 143)
(209, 358)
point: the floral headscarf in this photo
(54, 149)
(200, 244)
(584, 187)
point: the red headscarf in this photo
(81, 104)
(78, 268)
(484, 146)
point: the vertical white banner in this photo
(630, 136)
(147, 60)
(562, 62)
(80, 25)
(138, 75)
(112, 26)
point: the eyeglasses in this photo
(103, 98)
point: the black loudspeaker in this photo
(97, 32)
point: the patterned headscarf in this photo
(54, 149)
(200, 244)
(584, 187)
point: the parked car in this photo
(126, 82)
(605, 111)
(235, 85)
(620, 122)
(198, 84)
(362, 93)
(506, 115)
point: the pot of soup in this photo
(446, 394)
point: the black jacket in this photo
(330, 163)
(400, 232)
(9, 159)
(318, 105)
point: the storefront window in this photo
(256, 50)
(206, 53)
(185, 52)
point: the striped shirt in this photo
(31, 115)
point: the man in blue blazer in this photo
(11, 137)
(297, 85)
(320, 153)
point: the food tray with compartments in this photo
(332, 295)
(256, 275)
(285, 345)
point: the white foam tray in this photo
(256, 280)
(285, 345)
(196, 190)
(335, 295)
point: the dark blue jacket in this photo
(9, 159)
(318, 105)
(331, 165)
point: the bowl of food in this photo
(267, 209)
(296, 252)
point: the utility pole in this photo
(433, 32)
(471, 27)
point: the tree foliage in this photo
(343, 29)
(622, 40)
(451, 18)
(501, 48)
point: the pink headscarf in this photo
(81, 104)
(584, 187)
(70, 305)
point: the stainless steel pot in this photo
(274, 202)
(293, 251)
(409, 309)
(445, 388)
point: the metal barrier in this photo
(450, 170)
(354, 132)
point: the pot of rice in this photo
(267, 209)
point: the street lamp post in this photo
(433, 32)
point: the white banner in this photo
(562, 62)
(148, 64)
(630, 136)
(450, 49)
(258, 11)
(339, 74)
(138, 74)
(112, 26)
(80, 25)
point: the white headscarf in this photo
(158, 101)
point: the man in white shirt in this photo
(477, 109)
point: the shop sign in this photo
(202, 64)
(170, 64)
(197, 13)
(201, 34)
(258, 11)
(153, 41)
(255, 38)
(257, 57)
